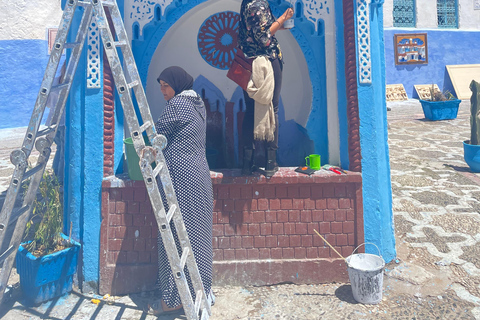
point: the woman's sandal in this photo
(156, 309)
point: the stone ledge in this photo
(286, 175)
(268, 272)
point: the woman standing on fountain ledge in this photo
(256, 38)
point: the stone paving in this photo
(436, 201)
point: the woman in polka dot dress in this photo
(183, 122)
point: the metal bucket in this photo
(365, 272)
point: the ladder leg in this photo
(17, 217)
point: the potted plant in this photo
(441, 106)
(46, 262)
(471, 148)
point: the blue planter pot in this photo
(47, 277)
(471, 154)
(440, 110)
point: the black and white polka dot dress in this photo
(184, 124)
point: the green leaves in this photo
(47, 207)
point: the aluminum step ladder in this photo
(127, 81)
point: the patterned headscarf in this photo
(177, 78)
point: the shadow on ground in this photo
(78, 306)
(345, 294)
(458, 168)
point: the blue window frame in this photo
(447, 13)
(404, 13)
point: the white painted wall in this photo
(28, 19)
(426, 14)
(388, 14)
(469, 18)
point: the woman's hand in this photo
(278, 24)
(287, 14)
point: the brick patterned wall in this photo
(263, 229)
(128, 239)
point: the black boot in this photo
(271, 165)
(247, 167)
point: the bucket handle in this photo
(379, 253)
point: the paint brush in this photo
(330, 246)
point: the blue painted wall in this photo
(84, 172)
(312, 44)
(377, 192)
(22, 64)
(445, 47)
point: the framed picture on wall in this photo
(411, 48)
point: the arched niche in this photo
(172, 40)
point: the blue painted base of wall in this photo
(445, 47)
(22, 65)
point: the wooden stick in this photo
(330, 246)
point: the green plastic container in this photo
(133, 160)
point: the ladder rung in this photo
(45, 131)
(171, 212)
(60, 86)
(15, 215)
(184, 257)
(71, 45)
(108, 3)
(133, 84)
(157, 169)
(32, 171)
(120, 43)
(198, 301)
(84, 3)
(145, 126)
(7, 253)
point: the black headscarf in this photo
(177, 78)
